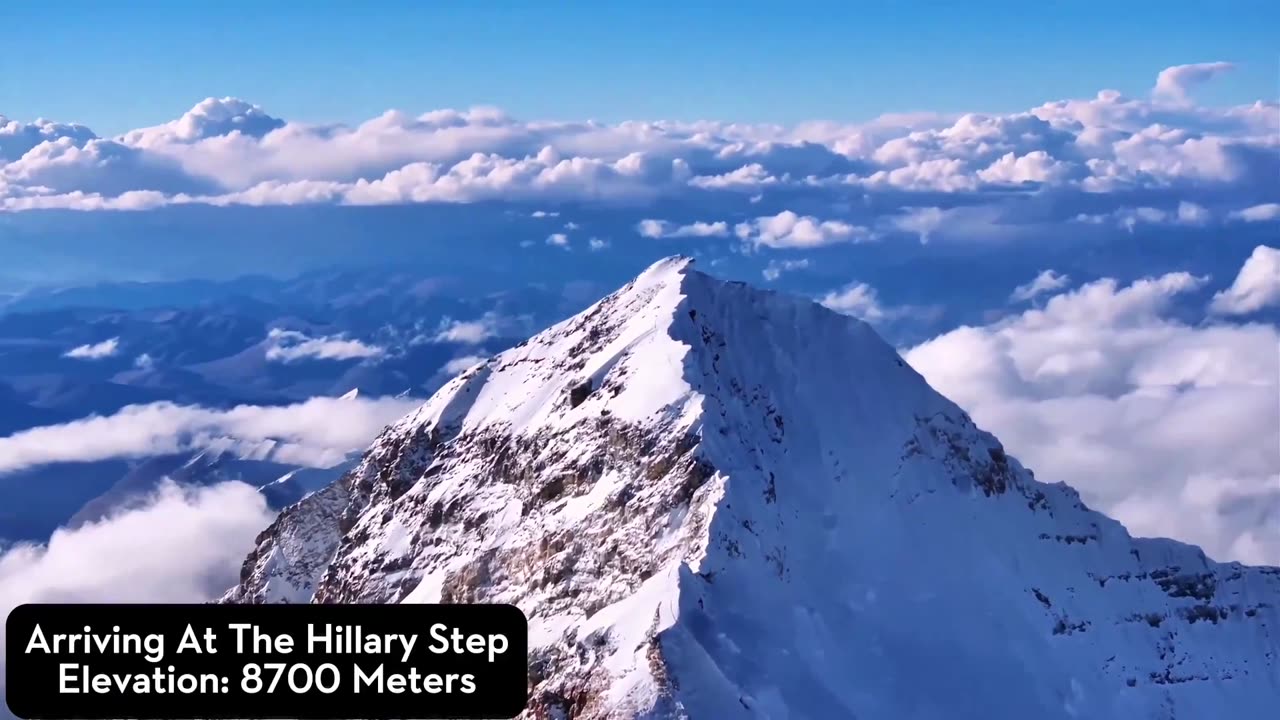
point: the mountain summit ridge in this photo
(714, 501)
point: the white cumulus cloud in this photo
(1174, 83)
(210, 118)
(1257, 285)
(227, 151)
(790, 230)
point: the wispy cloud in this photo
(857, 299)
(1257, 285)
(95, 351)
(471, 332)
(291, 346)
(775, 269)
(303, 433)
(457, 365)
(664, 229)
(1047, 281)
(860, 300)
(1265, 212)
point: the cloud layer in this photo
(227, 151)
(183, 545)
(304, 433)
(292, 345)
(1169, 427)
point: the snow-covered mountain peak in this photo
(714, 501)
(541, 383)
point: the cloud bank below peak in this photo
(226, 151)
(1168, 426)
(206, 533)
(303, 433)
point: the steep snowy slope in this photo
(716, 502)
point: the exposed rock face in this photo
(717, 502)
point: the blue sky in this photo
(117, 67)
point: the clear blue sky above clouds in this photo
(117, 66)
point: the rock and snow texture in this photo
(714, 502)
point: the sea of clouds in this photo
(1109, 159)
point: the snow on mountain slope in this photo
(718, 502)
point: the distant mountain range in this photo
(93, 351)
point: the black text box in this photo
(311, 662)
